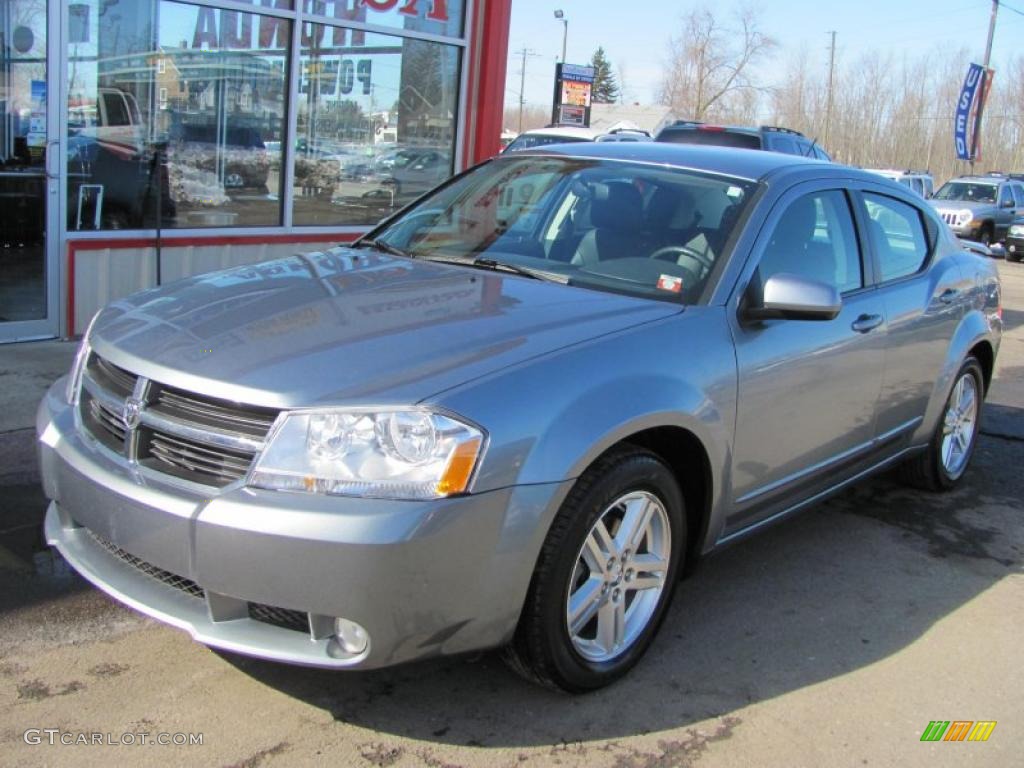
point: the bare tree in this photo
(710, 66)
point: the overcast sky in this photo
(635, 34)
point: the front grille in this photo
(949, 218)
(297, 621)
(167, 578)
(190, 436)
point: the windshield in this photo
(531, 140)
(620, 227)
(968, 191)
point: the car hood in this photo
(961, 205)
(350, 326)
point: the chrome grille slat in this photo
(181, 454)
(110, 421)
(250, 419)
(184, 435)
(119, 377)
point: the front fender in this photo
(550, 418)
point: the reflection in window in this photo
(171, 107)
(376, 124)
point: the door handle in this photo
(866, 323)
(52, 153)
(949, 295)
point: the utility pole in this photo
(522, 84)
(831, 84)
(984, 83)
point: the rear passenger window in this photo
(815, 239)
(1018, 195)
(898, 235)
(784, 144)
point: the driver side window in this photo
(815, 239)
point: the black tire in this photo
(1014, 257)
(542, 650)
(986, 235)
(926, 470)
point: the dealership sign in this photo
(573, 86)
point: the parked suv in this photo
(919, 181)
(768, 137)
(980, 207)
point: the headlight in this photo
(1017, 230)
(409, 453)
(74, 386)
(963, 217)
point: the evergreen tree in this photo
(605, 90)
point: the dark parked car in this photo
(1015, 241)
(514, 414)
(768, 137)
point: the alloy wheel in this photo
(959, 424)
(619, 576)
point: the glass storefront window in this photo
(436, 17)
(376, 124)
(176, 108)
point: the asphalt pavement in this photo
(832, 639)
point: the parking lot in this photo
(832, 639)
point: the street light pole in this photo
(565, 31)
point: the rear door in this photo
(807, 390)
(922, 294)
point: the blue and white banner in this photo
(963, 126)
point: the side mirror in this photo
(787, 296)
(1009, 204)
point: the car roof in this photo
(562, 130)
(750, 164)
(982, 179)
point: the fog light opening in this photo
(352, 638)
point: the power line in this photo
(1011, 8)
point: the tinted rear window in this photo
(714, 138)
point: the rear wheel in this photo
(605, 575)
(952, 445)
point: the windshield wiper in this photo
(483, 262)
(382, 245)
(536, 274)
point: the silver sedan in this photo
(515, 414)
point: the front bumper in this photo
(423, 578)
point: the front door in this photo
(29, 173)
(808, 389)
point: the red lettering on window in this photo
(438, 10)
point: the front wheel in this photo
(952, 445)
(605, 575)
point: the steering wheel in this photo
(682, 250)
